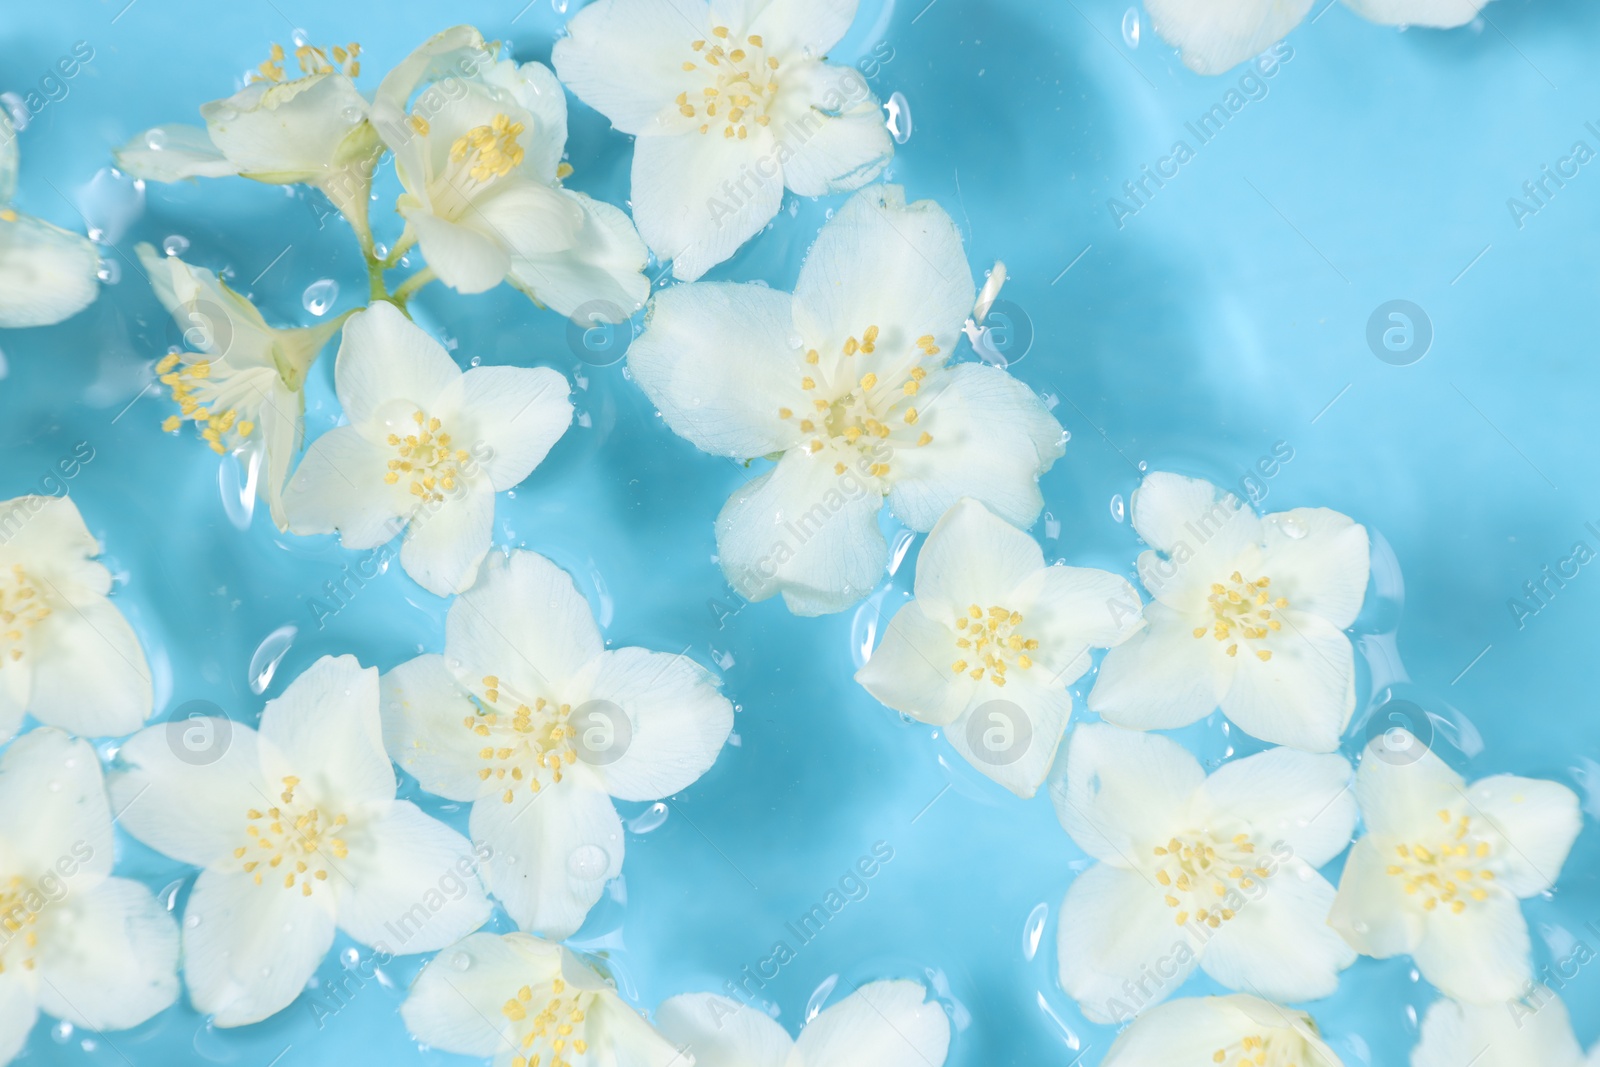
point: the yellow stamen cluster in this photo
(1249, 1051)
(1448, 870)
(193, 390)
(533, 739)
(1199, 871)
(22, 607)
(7, 215)
(1243, 611)
(427, 458)
(293, 838)
(313, 60)
(16, 917)
(993, 642)
(553, 1029)
(491, 151)
(742, 87)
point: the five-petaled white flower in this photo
(243, 387)
(1230, 1031)
(528, 1002)
(426, 448)
(47, 274)
(848, 384)
(531, 717)
(75, 943)
(993, 640)
(1249, 614)
(479, 154)
(1216, 35)
(281, 131)
(1536, 1032)
(729, 103)
(1443, 866)
(67, 656)
(881, 1024)
(1217, 872)
(297, 832)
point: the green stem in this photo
(376, 287)
(401, 247)
(411, 285)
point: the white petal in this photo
(1187, 1033)
(52, 528)
(46, 273)
(1124, 790)
(293, 131)
(1372, 911)
(447, 539)
(517, 413)
(455, 1002)
(911, 672)
(833, 127)
(674, 719)
(1538, 821)
(1114, 927)
(602, 266)
(681, 205)
(524, 623)
(1304, 695)
(412, 887)
(626, 1035)
(172, 153)
(1070, 610)
(804, 531)
(385, 357)
(1162, 677)
(717, 359)
(248, 949)
(467, 258)
(19, 1010)
(1303, 800)
(107, 956)
(327, 727)
(799, 25)
(973, 557)
(554, 851)
(1509, 1035)
(992, 438)
(423, 711)
(881, 1024)
(1201, 530)
(1437, 14)
(1279, 945)
(1319, 561)
(1482, 954)
(622, 57)
(55, 807)
(719, 1032)
(1216, 35)
(339, 486)
(1397, 798)
(89, 671)
(281, 432)
(1011, 734)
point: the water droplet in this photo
(460, 961)
(225, 112)
(61, 1033)
(237, 482)
(349, 957)
(1293, 527)
(299, 37)
(1130, 27)
(649, 819)
(1118, 509)
(1052, 526)
(352, 114)
(899, 117)
(155, 139)
(1033, 930)
(560, 6)
(319, 296)
(588, 862)
(111, 202)
(191, 920)
(175, 245)
(110, 271)
(819, 996)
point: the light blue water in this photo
(1228, 315)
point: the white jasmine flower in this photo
(881, 1024)
(729, 104)
(1249, 614)
(993, 640)
(243, 387)
(296, 831)
(75, 943)
(479, 154)
(1218, 872)
(529, 716)
(67, 656)
(1231, 1030)
(848, 385)
(278, 130)
(425, 449)
(1519, 1033)
(46, 273)
(1443, 865)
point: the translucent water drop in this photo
(1052, 526)
(1143, 466)
(299, 37)
(319, 296)
(175, 245)
(225, 112)
(588, 862)
(61, 1033)
(110, 271)
(649, 819)
(352, 114)
(1118, 509)
(460, 961)
(898, 550)
(1293, 527)
(191, 920)
(560, 6)
(349, 957)
(899, 117)
(819, 996)
(237, 483)
(111, 202)
(1033, 930)
(1130, 27)
(155, 139)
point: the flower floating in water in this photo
(426, 448)
(528, 1003)
(46, 273)
(67, 656)
(297, 831)
(1218, 872)
(1443, 866)
(479, 154)
(311, 129)
(729, 104)
(243, 386)
(531, 717)
(1226, 1031)
(1249, 614)
(992, 641)
(881, 1024)
(848, 385)
(97, 951)
(1521, 1033)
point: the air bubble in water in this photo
(175, 245)
(899, 117)
(319, 296)
(1130, 27)
(1118, 509)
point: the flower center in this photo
(18, 915)
(742, 82)
(212, 402)
(862, 414)
(551, 1029)
(22, 607)
(485, 153)
(1254, 1050)
(1200, 870)
(531, 741)
(292, 838)
(993, 641)
(426, 458)
(1243, 612)
(313, 60)
(1441, 871)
